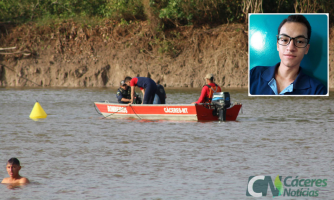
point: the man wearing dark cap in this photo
(123, 93)
(208, 90)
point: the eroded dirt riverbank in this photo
(72, 55)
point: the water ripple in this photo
(76, 154)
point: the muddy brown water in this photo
(76, 154)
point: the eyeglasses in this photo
(300, 41)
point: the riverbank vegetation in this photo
(91, 43)
(160, 13)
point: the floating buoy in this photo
(37, 112)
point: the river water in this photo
(76, 154)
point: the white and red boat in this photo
(182, 112)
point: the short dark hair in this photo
(299, 19)
(128, 78)
(14, 161)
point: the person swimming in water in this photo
(13, 167)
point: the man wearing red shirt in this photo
(146, 85)
(208, 90)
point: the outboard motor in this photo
(221, 101)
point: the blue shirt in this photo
(261, 83)
(119, 95)
(272, 83)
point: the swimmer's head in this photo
(13, 167)
(13, 161)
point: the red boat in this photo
(182, 112)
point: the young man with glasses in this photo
(287, 77)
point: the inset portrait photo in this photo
(288, 54)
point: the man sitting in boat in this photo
(160, 95)
(208, 90)
(123, 94)
(147, 86)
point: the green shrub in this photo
(123, 9)
(162, 13)
(199, 11)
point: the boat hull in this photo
(179, 112)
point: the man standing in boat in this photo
(146, 85)
(123, 93)
(208, 90)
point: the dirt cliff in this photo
(73, 55)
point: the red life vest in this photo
(212, 89)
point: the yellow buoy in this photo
(37, 112)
